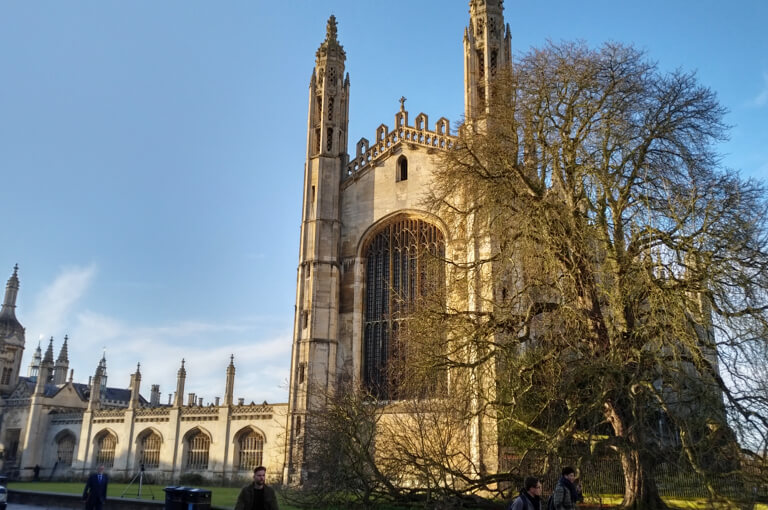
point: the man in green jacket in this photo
(256, 495)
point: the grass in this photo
(227, 496)
(614, 500)
(220, 496)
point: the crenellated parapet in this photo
(253, 412)
(386, 140)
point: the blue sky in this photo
(151, 153)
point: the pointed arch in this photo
(401, 171)
(249, 448)
(197, 446)
(148, 444)
(65, 442)
(104, 448)
(403, 256)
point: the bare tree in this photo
(625, 272)
(605, 291)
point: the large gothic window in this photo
(250, 450)
(198, 444)
(65, 449)
(403, 263)
(149, 450)
(105, 450)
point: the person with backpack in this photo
(566, 493)
(530, 496)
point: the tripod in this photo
(140, 476)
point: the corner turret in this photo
(11, 336)
(315, 332)
(487, 48)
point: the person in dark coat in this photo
(95, 492)
(530, 496)
(256, 495)
(567, 493)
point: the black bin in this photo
(174, 498)
(197, 499)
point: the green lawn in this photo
(226, 496)
(220, 496)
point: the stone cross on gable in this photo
(402, 103)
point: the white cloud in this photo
(261, 358)
(54, 306)
(261, 346)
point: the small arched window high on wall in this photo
(250, 450)
(402, 169)
(404, 261)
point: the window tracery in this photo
(65, 450)
(105, 454)
(150, 451)
(199, 444)
(251, 450)
(402, 264)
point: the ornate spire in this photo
(63, 353)
(487, 48)
(135, 388)
(48, 358)
(34, 365)
(102, 368)
(331, 29)
(230, 386)
(330, 46)
(8, 311)
(180, 378)
(62, 364)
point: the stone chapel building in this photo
(363, 227)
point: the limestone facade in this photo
(363, 214)
(68, 428)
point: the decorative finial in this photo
(182, 362)
(231, 358)
(402, 103)
(330, 29)
(16, 269)
(138, 367)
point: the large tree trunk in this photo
(640, 491)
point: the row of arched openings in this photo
(249, 449)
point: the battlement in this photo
(418, 134)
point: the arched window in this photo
(65, 449)
(105, 450)
(403, 262)
(198, 444)
(251, 449)
(149, 450)
(402, 169)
